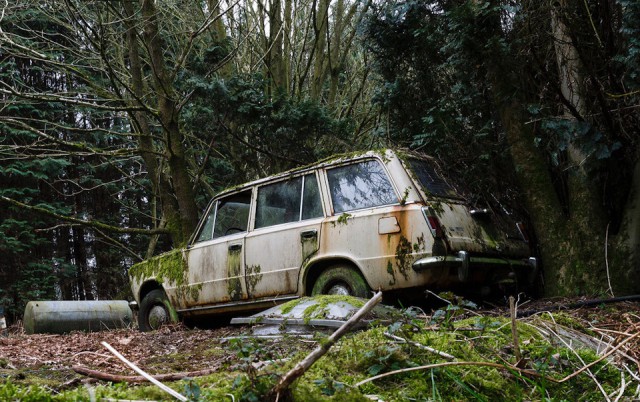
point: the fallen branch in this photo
(324, 347)
(145, 375)
(421, 346)
(100, 375)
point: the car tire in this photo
(341, 280)
(155, 311)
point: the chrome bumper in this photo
(463, 261)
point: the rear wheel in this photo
(155, 311)
(341, 280)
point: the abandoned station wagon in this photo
(380, 220)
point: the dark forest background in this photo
(120, 119)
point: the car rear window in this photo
(360, 185)
(431, 182)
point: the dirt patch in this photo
(171, 349)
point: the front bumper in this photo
(466, 264)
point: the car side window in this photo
(227, 216)
(311, 201)
(232, 215)
(206, 232)
(360, 185)
(280, 202)
(430, 180)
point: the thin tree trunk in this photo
(160, 182)
(275, 61)
(168, 114)
(321, 28)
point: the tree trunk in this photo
(627, 246)
(571, 247)
(321, 28)
(160, 182)
(587, 222)
(168, 114)
(275, 61)
(286, 45)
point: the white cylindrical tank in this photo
(59, 317)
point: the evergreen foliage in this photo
(469, 80)
(131, 123)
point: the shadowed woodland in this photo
(120, 119)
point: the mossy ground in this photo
(249, 367)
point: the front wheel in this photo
(155, 311)
(341, 280)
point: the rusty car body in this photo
(384, 220)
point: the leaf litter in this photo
(590, 353)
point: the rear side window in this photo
(288, 201)
(361, 185)
(431, 182)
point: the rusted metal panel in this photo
(275, 254)
(385, 260)
(216, 272)
(388, 225)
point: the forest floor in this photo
(52, 362)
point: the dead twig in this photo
(514, 328)
(145, 375)
(124, 400)
(421, 346)
(324, 347)
(101, 375)
(606, 260)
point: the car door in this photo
(216, 258)
(286, 234)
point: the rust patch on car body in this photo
(253, 278)
(234, 271)
(403, 256)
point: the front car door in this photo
(216, 259)
(286, 234)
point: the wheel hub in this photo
(339, 289)
(158, 315)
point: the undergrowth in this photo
(467, 338)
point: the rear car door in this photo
(286, 234)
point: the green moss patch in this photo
(171, 267)
(250, 367)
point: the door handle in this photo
(235, 247)
(309, 234)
